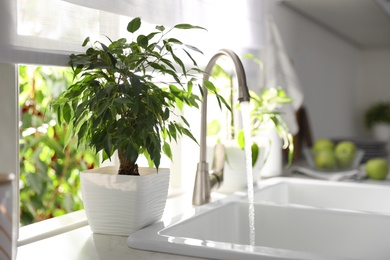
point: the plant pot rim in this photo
(113, 170)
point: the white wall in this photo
(374, 82)
(328, 69)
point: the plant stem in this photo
(126, 167)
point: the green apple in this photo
(345, 153)
(377, 168)
(325, 160)
(347, 147)
(322, 145)
(344, 161)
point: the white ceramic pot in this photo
(273, 167)
(235, 174)
(121, 204)
(381, 132)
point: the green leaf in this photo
(175, 41)
(241, 139)
(160, 28)
(168, 63)
(136, 85)
(189, 87)
(123, 100)
(193, 48)
(281, 93)
(82, 131)
(86, 41)
(105, 156)
(220, 98)
(180, 62)
(108, 145)
(147, 156)
(189, 134)
(142, 41)
(112, 59)
(255, 153)
(210, 86)
(172, 131)
(174, 75)
(55, 146)
(102, 108)
(192, 59)
(134, 25)
(249, 56)
(105, 48)
(200, 90)
(166, 114)
(219, 72)
(185, 121)
(67, 113)
(35, 182)
(39, 96)
(68, 136)
(167, 150)
(188, 26)
(174, 90)
(213, 128)
(157, 66)
(58, 114)
(179, 104)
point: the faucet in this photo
(206, 180)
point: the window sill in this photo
(58, 225)
(51, 227)
(69, 237)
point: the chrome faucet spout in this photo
(203, 182)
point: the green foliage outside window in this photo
(49, 170)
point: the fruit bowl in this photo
(330, 161)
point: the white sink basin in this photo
(284, 229)
(325, 194)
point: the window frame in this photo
(9, 136)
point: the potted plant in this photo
(123, 100)
(265, 117)
(377, 119)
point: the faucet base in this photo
(202, 188)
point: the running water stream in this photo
(245, 113)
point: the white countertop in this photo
(81, 244)
(77, 242)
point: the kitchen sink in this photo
(288, 225)
(325, 194)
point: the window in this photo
(49, 161)
(32, 39)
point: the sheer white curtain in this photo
(47, 31)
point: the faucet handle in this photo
(219, 157)
(216, 174)
(205, 180)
